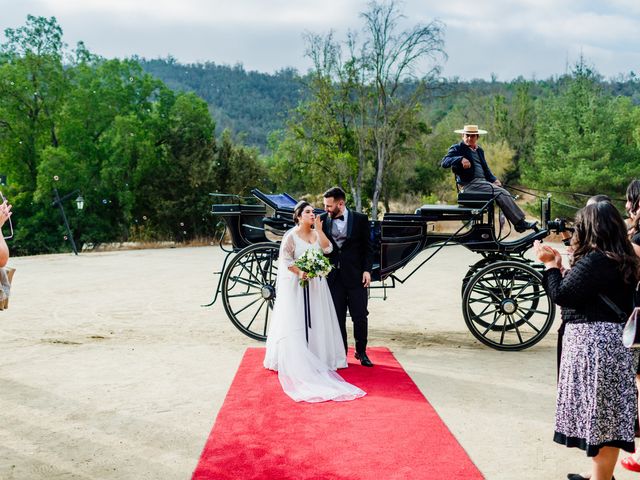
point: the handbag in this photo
(631, 331)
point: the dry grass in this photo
(146, 245)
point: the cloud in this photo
(242, 13)
(520, 37)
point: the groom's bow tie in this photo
(339, 217)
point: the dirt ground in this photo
(110, 368)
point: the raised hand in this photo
(547, 255)
(5, 212)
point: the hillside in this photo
(250, 104)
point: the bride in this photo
(306, 370)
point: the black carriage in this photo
(503, 302)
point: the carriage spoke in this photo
(538, 311)
(532, 296)
(250, 272)
(479, 288)
(526, 320)
(273, 271)
(485, 308)
(262, 267)
(515, 325)
(498, 283)
(512, 283)
(244, 281)
(255, 315)
(266, 318)
(247, 306)
(530, 282)
(497, 310)
(504, 329)
(493, 324)
(249, 294)
(481, 300)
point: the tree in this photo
(391, 58)
(33, 84)
(321, 139)
(514, 120)
(143, 156)
(584, 139)
(365, 110)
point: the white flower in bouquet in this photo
(314, 264)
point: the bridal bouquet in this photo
(314, 263)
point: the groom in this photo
(352, 259)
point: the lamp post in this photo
(79, 204)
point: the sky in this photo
(483, 39)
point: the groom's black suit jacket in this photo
(355, 256)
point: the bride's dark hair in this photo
(298, 209)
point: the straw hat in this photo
(471, 130)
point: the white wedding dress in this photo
(306, 371)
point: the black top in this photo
(636, 239)
(577, 292)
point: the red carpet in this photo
(391, 433)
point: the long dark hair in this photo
(298, 209)
(633, 197)
(600, 227)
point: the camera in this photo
(559, 225)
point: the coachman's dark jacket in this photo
(453, 160)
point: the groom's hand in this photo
(366, 279)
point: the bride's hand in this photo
(317, 223)
(302, 275)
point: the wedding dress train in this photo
(306, 370)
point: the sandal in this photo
(630, 464)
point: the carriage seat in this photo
(469, 205)
(474, 199)
(446, 212)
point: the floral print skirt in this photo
(596, 404)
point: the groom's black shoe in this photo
(577, 476)
(364, 360)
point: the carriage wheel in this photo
(472, 270)
(249, 288)
(506, 307)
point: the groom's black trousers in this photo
(355, 299)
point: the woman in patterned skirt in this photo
(596, 401)
(632, 206)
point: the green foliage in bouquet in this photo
(314, 263)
